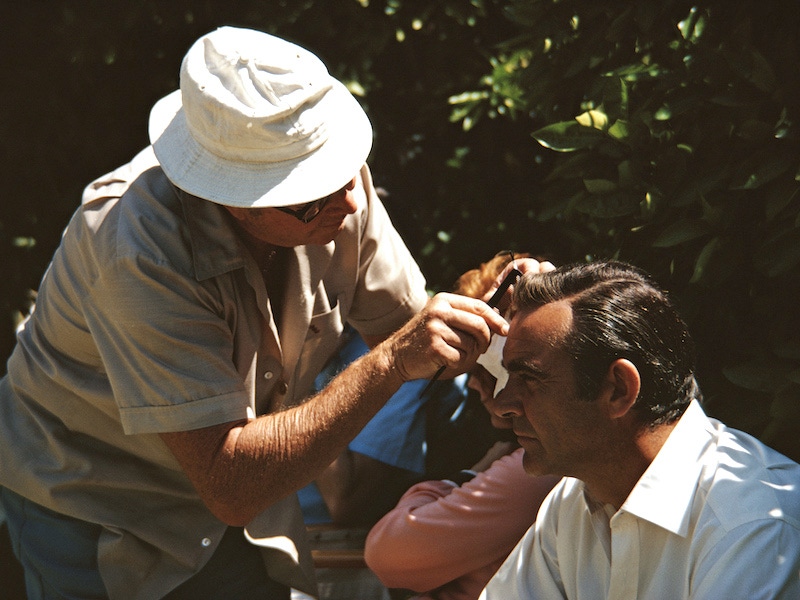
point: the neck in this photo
(263, 252)
(624, 466)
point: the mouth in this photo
(523, 436)
(332, 222)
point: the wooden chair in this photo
(337, 547)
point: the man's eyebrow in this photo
(519, 365)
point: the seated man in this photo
(657, 500)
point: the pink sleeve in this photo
(438, 532)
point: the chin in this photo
(326, 235)
(533, 466)
(321, 240)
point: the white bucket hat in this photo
(258, 121)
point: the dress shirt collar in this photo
(663, 495)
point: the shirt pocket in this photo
(322, 340)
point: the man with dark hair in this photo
(657, 500)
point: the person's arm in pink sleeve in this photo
(438, 532)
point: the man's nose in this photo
(344, 199)
(505, 405)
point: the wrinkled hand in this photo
(451, 331)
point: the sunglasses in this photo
(310, 210)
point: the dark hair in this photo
(620, 312)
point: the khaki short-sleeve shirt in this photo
(153, 318)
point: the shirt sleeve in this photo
(439, 532)
(173, 370)
(758, 561)
(391, 287)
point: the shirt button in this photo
(205, 542)
(269, 375)
(283, 387)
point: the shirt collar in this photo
(216, 249)
(663, 495)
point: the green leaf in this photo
(615, 98)
(681, 232)
(756, 376)
(607, 206)
(779, 197)
(593, 118)
(568, 136)
(648, 206)
(571, 167)
(626, 174)
(779, 254)
(754, 130)
(600, 186)
(554, 205)
(663, 114)
(762, 169)
(619, 130)
(636, 72)
(468, 97)
(691, 27)
(702, 262)
(753, 67)
(444, 236)
(23, 242)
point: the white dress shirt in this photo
(716, 515)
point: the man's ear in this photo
(621, 387)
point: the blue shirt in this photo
(395, 435)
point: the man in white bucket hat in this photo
(152, 433)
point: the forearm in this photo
(392, 547)
(256, 463)
(421, 544)
(444, 532)
(241, 468)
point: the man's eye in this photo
(528, 377)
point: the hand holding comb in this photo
(508, 281)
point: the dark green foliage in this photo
(661, 132)
(676, 125)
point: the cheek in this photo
(247, 219)
(537, 411)
(274, 228)
(251, 224)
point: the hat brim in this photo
(244, 184)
